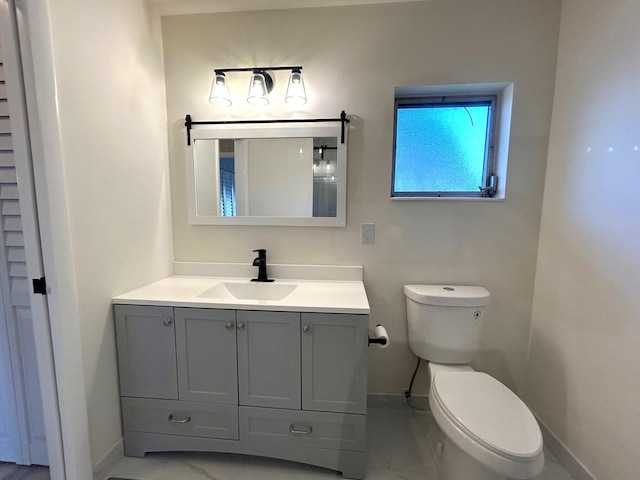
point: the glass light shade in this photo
(296, 93)
(328, 167)
(258, 90)
(220, 94)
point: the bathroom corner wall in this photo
(110, 181)
(353, 57)
(583, 379)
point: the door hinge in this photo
(40, 286)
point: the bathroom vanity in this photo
(222, 364)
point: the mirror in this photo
(273, 174)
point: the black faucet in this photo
(261, 262)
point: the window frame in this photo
(464, 100)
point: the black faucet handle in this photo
(262, 252)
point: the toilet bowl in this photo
(488, 432)
(485, 432)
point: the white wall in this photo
(353, 57)
(583, 375)
(112, 136)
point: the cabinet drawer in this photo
(302, 429)
(180, 418)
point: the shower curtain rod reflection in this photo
(189, 123)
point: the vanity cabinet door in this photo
(206, 348)
(334, 362)
(269, 359)
(145, 338)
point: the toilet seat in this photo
(488, 421)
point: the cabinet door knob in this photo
(229, 325)
(240, 325)
(295, 431)
(306, 329)
(166, 322)
(173, 420)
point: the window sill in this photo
(446, 199)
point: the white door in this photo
(22, 423)
(22, 428)
(25, 34)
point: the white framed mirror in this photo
(275, 174)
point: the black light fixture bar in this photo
(189, 123)
(254, 69)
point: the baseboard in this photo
(104, 466)
(382, 400)
(564, 456)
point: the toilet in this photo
(485, 431)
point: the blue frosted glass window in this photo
(443, 146)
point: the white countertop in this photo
(330, 296)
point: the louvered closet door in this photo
(18, 375)
(9, 436)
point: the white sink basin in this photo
(249, 291)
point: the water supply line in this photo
(407, 392)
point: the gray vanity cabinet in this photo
(286, 385)
(146, 351)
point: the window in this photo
(444, 146)
(227, 187)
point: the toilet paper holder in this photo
(381, 337)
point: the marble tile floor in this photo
(396, 448)
(11, 471)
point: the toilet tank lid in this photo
(448, 295)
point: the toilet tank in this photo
(445, 321)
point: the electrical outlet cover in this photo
(368, 233)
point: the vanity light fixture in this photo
(261, 84)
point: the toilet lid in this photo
(488, 412)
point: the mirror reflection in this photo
(286, 177)
(269, 176)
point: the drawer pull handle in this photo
(293, 430)
(166, 322)
(173, 420)
(229, 325)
